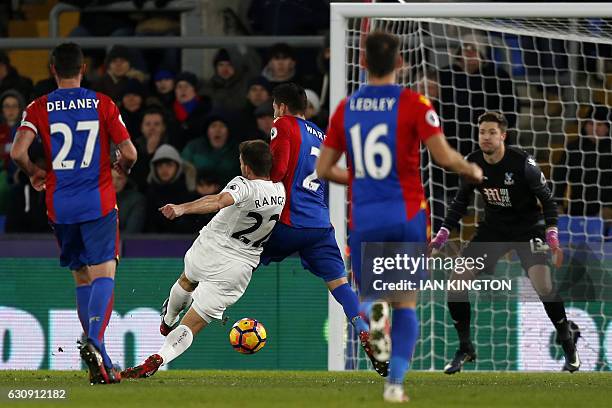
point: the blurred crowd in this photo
(186, 129)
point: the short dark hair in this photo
(292, 95)
(281, 50)
(496, 117)
(381, 53)
(154, 110)
(67, 58)
(257, 155)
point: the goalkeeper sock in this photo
(82, 299)
(348, 299)
(460, 313)
(176, 343)
(556, 314)
(404, 334)
(178, 300)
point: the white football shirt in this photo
(240, 230)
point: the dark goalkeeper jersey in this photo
(511, 189)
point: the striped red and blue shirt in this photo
(381, 129)
(76, 127)
(296, 144)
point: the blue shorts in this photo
(317, 248)
(88, 243)
(414, 230)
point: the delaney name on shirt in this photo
(372, 104)
(81, 103)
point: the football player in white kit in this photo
(219, 264)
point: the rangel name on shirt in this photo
(278, 200)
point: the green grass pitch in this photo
(253, 389)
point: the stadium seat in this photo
(577, 229)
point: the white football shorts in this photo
(221, 280)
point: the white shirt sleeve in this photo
(240, 190)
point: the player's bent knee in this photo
(81, 276)
(186, 284)
(541, 280)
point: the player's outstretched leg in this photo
(342, 292)
(404, 335)
(176, 343)
(379, 341)
(460, 313)
(179, 299)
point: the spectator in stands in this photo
(153, 129)
(10, 78)
(189, 108)
(318, 79)
(169, 182)
(228, 81)
(206, 184)
(259, 92)
(118, 66)
(12, 105)
(164, 88)
(313, 109)
(131, 203)
(27, 211)
(281, 66)
(469, 87)
(215, 153)
(131, 106)
(583, 177)
(264, 115)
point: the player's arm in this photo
(537, 184)
(205, 205)
(19, 153)
(126, 153)
(126, 156)
(327, 168)
(448, 158)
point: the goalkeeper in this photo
(512, 186)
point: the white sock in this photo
(179, 300)
(176, 343)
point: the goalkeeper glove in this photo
(552, 239)
(439, 240)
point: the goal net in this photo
(552, 78)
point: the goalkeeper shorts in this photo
(528, 244)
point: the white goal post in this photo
(344, 45)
